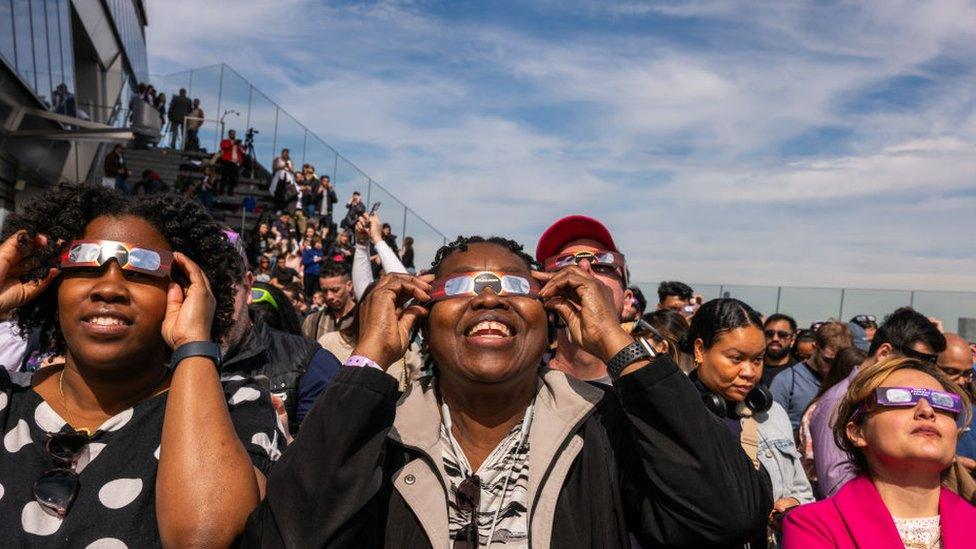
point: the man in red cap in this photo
(584, 241)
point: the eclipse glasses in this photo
(473, 283)
(82, 254)
(907, 397)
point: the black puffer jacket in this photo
(645, 458)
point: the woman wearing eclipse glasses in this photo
(134, 442)
(899, 422)
(496, 450)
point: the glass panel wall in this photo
(7, 33)
(391, 211)
(291, 135)
(42, 62)
(760, 298)
(23, 42)
(54, 43)
(949, 307)
(64, 40)
(873, 302)
(261, 117)
(35, 42)
(230, 102)
(426, 239)
(205, 85)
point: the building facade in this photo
(79, 59)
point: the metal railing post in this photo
(274, 138)
(220, 93)
(840, 315)
(779, 293)
(403, 233)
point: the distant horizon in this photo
(804, 146)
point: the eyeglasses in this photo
(955, 375)
(57, 489)
(473, 283)
(918, 355)
(469, 501)
(260, 295)
(908, 397)
(782, 334)
(865, 319)
(604, 259)
(83, 254)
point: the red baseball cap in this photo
(568, 229)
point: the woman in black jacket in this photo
(494, 449)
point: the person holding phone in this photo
(135, 441)
(494, 449)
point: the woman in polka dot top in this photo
(114, 448)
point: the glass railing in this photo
(229, 101)
(808, 305)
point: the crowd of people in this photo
(169, 381)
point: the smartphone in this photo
(375, 208)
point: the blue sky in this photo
(825, 144)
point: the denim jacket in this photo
(779, 456)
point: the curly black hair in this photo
(64, 213)
(461, 244)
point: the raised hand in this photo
(189, 311)
(384, 325)
(17, 256)
(375, 228)
(586, 305)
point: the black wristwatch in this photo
(208, 349)
(640, 349)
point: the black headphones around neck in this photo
(760, 399)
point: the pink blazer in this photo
(855, 517)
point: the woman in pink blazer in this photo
(899, 421)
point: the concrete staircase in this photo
(180, 170)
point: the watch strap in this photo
(638, 350)
(207, 349)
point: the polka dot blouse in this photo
(115, 507)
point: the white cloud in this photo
(677, 145)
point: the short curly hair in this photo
(64, 213)
(461, 243)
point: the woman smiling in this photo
(134, 441)
(496, 450)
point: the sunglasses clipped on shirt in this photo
(57, 488)
(908, 397)
(473, 283)
(88, 254)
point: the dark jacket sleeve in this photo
(685, 479)
(320, 492)
(322, 369)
